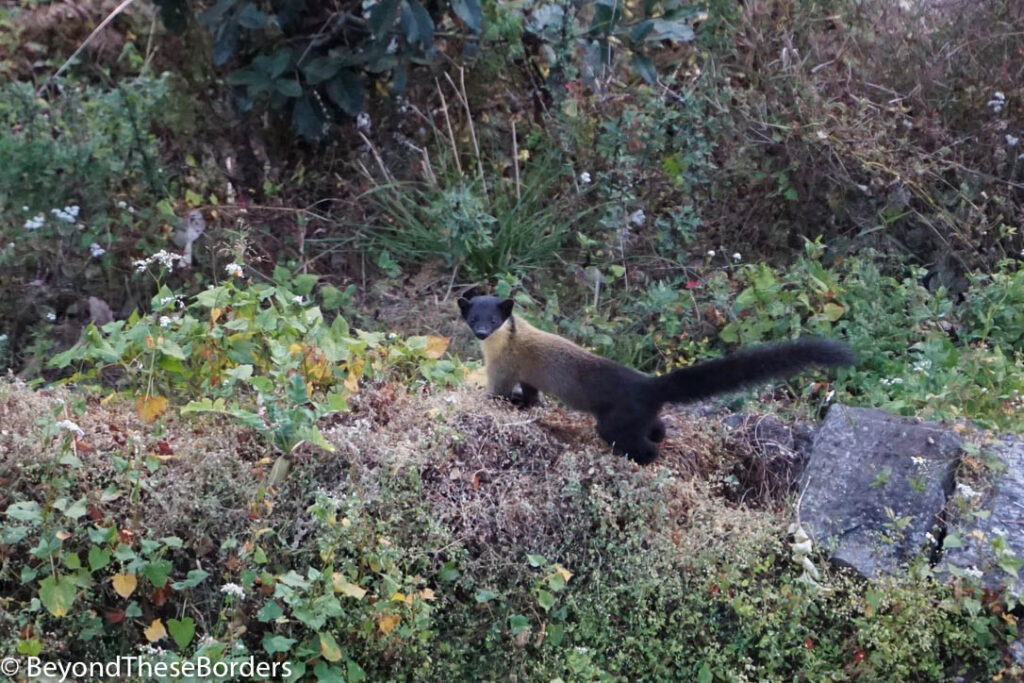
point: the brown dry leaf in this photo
(155, 631)
(63, 535)
(387, 623)
(150, 407)
(565, 573)
(427, 594)
(124, 584)
(436, 346)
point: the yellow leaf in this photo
(215, 314)
(105, 401)
(150, 407)
(402, 597)
(387, 623)
(427, 594)
(156, 631)
(436, 346)
(295, 348)
(329, 647)
(355, 372)
(565, 573)
(124, 584)
(343, 586)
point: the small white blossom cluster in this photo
(1012, 140)
(917, 460)
(69, 214)
(638, 218)
(966, 491)
(973, 571)
(176, 300)
(151, 650)
(96, 250)
(233, 589)
(71, 427)
(35, 222)
(51, 316)
(163, 257)
(585, 178)
(889, 381)
(923, 365)
(234, 269)
(168, 320)
(997, 102)
(737, 257)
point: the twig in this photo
(515, 160)
(448, 122)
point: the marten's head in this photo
(485, 314)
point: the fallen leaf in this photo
(124, 584)
(427, 594)
(160, 595)
(477, 378)
(63, 535)
(155, 631)
(436, 346)
(402, 597)
(150, 407)
(329, 647)
(565, 573)
(83, 446)
(114, 616)
(387, 623)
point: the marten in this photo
(625, 402)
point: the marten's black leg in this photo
(528, 397)
(627, 437)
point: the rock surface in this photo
(1002, 518)
(875, 486)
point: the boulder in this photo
(875, 486)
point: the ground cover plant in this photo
(239, 416)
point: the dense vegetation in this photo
(235, 230)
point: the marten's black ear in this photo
(464, 306)
(505, 308)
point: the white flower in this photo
(233, 589)
(71, 427)
(297, 299)
(68, 214)
(165, 321)
(966, 491)
(973, 571)
(51, 316)
(25, 209)
(638, 217)
(122, 204)
(96, 250)
(917, 459)
(234, 269)
(1012, 140)
(999, 531)
(35, 222)
(392, 336)
(711, 253)
(363, 122)
(997, 102)
(585, 178)
(736, 256)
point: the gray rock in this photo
(875, 485)
(1002, 507)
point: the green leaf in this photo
(98, 558)
(270, 612)
(382, 17)
(250, 17)
(76, 509)
(953, 541)
(322, 68)
(644, 67)
(545, 599)
(182, 630)
(303, 284)
(517, 623)
(192, 579)
(329, 648)
(25, 511)
(307, 121)
(470, 13)
(556, 632)
(157, 572)
(346, 90)
(57, 595)
(483, 595)
(536, 560)
(354, 671)
(417, 24)
(705, 675)
(274, 643)
(288, 87)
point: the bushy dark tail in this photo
(748, 366)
